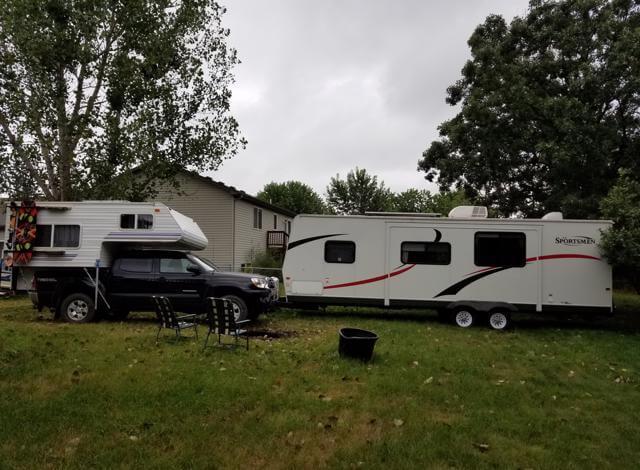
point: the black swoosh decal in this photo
(302, 241)
(438, 236)
(457, 287)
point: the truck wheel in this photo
(240, 310)
(499, 320)
(464, 317)
(78, 308)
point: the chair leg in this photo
(206, 340)
(196, 328)
(247, 338)
(158, 335)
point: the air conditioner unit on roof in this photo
(468, 212)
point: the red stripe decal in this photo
(542, 258)
(371, 279)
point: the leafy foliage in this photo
(359, 193)
(414, 200)
(550, 109)
(293, 195)
(621, 244)
(92, 88)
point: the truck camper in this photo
(467, 266)
(82, 258)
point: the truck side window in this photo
(507, 249)
(136, 265)
(425, 253)
(339, 252)
(175, 265)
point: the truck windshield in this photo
(206, 265)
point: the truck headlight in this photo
(259, 282)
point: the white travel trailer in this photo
(90, 233)
(466, 265)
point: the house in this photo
(237, 224)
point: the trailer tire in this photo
(78, 308)
(464, 317)
(240, 309)
(499, 320)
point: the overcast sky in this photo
(325, 86)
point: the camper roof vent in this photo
(404, 214)
(553, 216)
(467, 212)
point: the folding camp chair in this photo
(168, 319)
(222, 321)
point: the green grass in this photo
(549, 394)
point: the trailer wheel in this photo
(464, 317)
(78, 308)
(240, 310)
(499, 320)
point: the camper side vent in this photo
(553, 216)
(468, 212)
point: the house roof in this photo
(238, 194)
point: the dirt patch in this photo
(268, 334)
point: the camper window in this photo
(425, 253)
(500, 249)
(136, 265)
(339, 252)
(140, 221)
(58, 236)
(66, 236)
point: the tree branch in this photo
(4, 123)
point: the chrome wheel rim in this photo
(498, 321)
(464, 319)
(77, 310)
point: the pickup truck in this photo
(136, 276)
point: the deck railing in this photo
(277, 239)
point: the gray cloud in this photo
(327, 86)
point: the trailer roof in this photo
(396, 218)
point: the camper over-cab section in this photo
(465, 262)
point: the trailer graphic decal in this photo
(373, 279)
(302, 241)
(457, 287)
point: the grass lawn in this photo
(548, 394)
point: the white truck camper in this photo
(89, 234)
(466, 266)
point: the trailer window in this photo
(136, 265)
(339, 252)
(425, 253)
(43, 236)
(66, 236)
(140, 221)
(128, 221)
(145, 221)
(500, 249)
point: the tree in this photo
(621, 244)
(93, 88)
(293, 195)
(359, 193)
(414, 200)
(550, 109)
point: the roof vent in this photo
(553, 216)
(468, 212)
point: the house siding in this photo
(212, 208)
(250, 240)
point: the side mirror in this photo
(194, 269)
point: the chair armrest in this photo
(242, 322)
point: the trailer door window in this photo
(425, 253)
(500, 249)
(339, 252)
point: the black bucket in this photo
(357, 343)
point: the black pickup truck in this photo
(136, 276)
